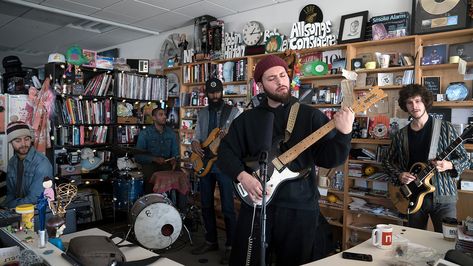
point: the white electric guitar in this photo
(278, 172)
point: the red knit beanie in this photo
(267, 63)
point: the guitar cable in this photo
(250, 238)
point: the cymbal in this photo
(127, 149)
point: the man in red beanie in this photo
(296, 232)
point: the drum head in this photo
(157, 226)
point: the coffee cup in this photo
(382, 236)
(324, 181)
(449, 228)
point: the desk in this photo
(381, 257)
(55, 259)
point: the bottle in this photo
(194, 99)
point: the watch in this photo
(252, 33)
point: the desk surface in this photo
(381, 257)
(55, 258)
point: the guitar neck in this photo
(453, 146)
(300, 147)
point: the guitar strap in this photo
(436, 124)
(291, 121)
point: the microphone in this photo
(267, 131)
(458, 257)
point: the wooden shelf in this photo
(378, 215)
(453, 104)
(167, 69)
(328, 76)
(359, 228)
(372, 141)
(391, 87)
(194, 84)
(234, 96)
(335, 223)
(465, 192)
(404, 39)
(325, 205)
(365, 178)
(326, 105)
(364, 161)
(237, 82)
(384, 70)
(192, 107)
(468, 146)
(352, 194)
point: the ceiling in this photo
(32, 33)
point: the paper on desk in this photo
(417, 255)
(9, 255)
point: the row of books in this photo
(81, 135)
(72, 111)
(141, 87)
(231, 71)
(197, 73)
(99, 85)
(127, 134)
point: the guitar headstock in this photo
(370, 98)
(467, 133)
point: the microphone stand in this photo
(263, 163)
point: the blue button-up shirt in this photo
(157, 144)
(36, 168)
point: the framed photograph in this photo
(463, 50)
(385, 79)
(352, 27)
(432, 83)
(434, 54)
(91, 57)
(436, 16)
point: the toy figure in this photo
(55, 228)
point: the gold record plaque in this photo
(439, 15)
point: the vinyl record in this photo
(435, 8)
(307, 69)
(319, 68)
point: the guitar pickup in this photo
(406, 192)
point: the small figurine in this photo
(48, 188)
(55, 228)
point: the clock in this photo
(252, 33)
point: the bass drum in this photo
(157, 224)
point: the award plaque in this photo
(436, 16)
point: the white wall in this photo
(280, 16)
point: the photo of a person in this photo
(354, 28)
(463, 50)
(434, 54)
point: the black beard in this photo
(279, 98)
(216, 104)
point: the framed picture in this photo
(356, 63)
(352, 27)
(91, 57)
(434, 54)
(463, 50)
(432, 83)
(436, 16)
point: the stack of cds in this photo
(465, 241)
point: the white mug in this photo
(384, 60)
(324, 181)
(382, 236)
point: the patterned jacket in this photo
(397, 161)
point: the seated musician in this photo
(162, 146)
(413, 144)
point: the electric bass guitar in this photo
(408, 198)
(278, 172)
(202, 165)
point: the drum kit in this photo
(154, 220)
